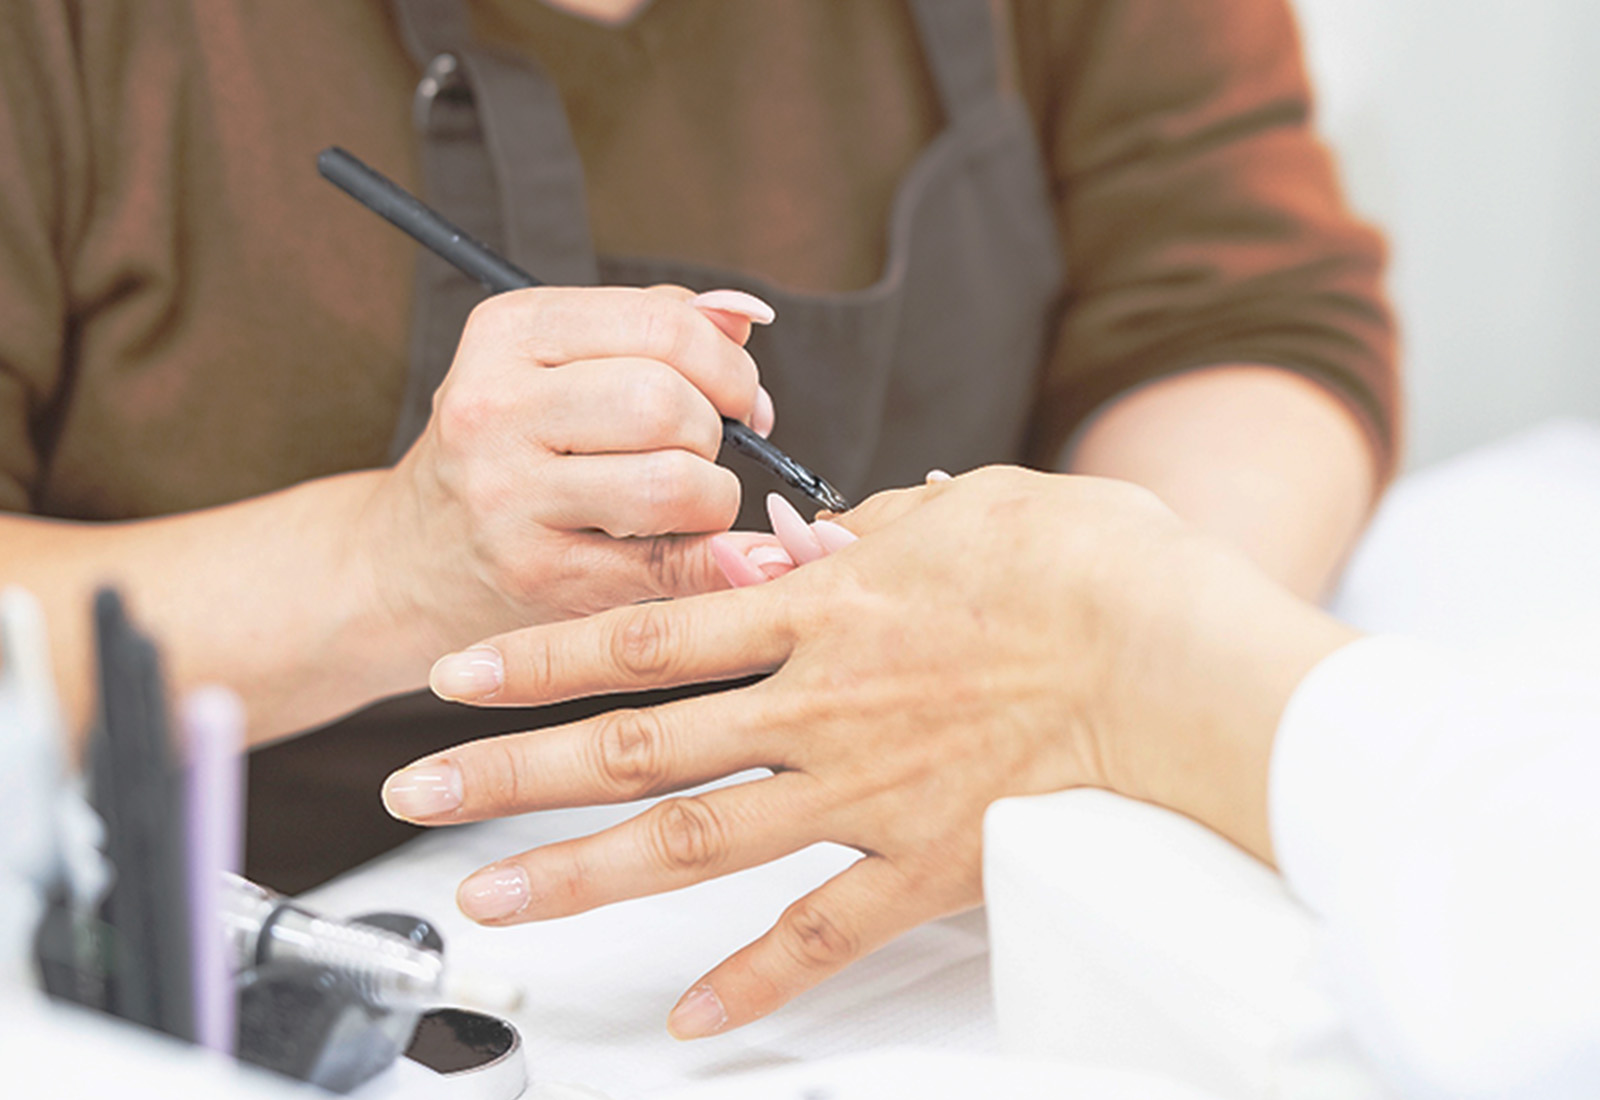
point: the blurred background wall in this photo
(1470, 131)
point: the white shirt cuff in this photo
(1348, 732)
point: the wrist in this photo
(1224, 651)
(393, 621)
(1230, 792)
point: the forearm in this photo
(274, 597)
(1214, 653)
(1258, 456)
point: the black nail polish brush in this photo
(477, 260)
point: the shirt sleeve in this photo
(1200, 218)
(1441, 821)
(42, 153)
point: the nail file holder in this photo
(313, 1023)
(130, 958)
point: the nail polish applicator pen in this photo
(478, 261)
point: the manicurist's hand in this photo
(567, 467)
(1002, 634)
(569, 461)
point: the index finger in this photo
(557, 325)
(670, 643)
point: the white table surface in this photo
(1499, 541)
(598, 986)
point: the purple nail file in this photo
(213, 728)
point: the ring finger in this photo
(619, 756)
(675, 843)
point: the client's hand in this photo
(1006, 633)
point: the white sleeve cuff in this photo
(1348, 734)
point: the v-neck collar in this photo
(633, 17)
(642, 33)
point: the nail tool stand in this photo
(119, 895)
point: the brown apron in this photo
(934, 364)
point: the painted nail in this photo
(736, 301)
(765, 415)
(423, 791)
(495, 893)
(793, 531)
(698, 1014)
(470, 676)
(762, 556)
(833, 536)
(936, 476)
(734, 563)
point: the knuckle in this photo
(645, 646)
(687, 835)
(485, 496)
(668, 327)
(521, 325)
(668, 570)
(496, 776)
(815, 939)
(679, 491)
(707, 436)
(729, 494)
(572, 882)
(630, 749)
(747, 381)
(531, 665)
(490, 320)
(653, 488)
(464, 413)
(674, 291)
(1010, 482)
(657, 404)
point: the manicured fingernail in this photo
(735, 565)
(470, 676)
(736, 301)
(793, 531)
(833, 536)
(935, 476)
(769, 555)
(765, 416)
(495, 893)
(698, 1014)
(424, 791)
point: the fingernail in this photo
(935, 476)
(736, 301)
(769, 555)
(793, 531)
(699, 1014)
(423, 791)
(734, 563)
(765, 415)
(833, 536)
(495, 893)
(472, 675)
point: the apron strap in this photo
(498, 159)
(429, 27)
(960, 42)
